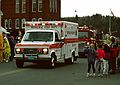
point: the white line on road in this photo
(12, 72)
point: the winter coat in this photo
(6, 46)
(91, 54)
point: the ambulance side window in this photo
(56, 37)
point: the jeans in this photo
(105, 66)
(99, 66)
(89, 67)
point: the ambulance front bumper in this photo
(31, 57)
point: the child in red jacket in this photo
(99, 60)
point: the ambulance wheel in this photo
(52, 62)
(72, 58)
(75, 57)
(19, 63)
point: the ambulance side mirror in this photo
(62, 39)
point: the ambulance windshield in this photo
(38, 36)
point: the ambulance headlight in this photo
(18, 51)
(45, 51)
(88, 43)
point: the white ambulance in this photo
(49, 41)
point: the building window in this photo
(39, 5)
(53, 6)
(6, 24)
(56, 5)
(23, 6)
(17, 23)
(50, 5)
(33, 5)
(10, 23)
(39, 19)
(34, 19)
(23, 23)
(17, 6)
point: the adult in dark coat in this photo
(91, 55)
(12, 45)
(114, 54)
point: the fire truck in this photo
(48, 41)
(86, 36)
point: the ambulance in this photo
(48, 41)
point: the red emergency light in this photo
(60, 24)
(27, 24)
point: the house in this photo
(16, 12)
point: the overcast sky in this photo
(89, 7)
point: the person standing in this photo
(114, 54)
(99, 60)
(1, 47)
(6, 48)
(19, 37)
(91, 56)
(106, 59)
(12, 45)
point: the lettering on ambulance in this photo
(70, 31)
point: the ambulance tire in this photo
(52, 60)
(52, 63)
(75, 57)
(19, 63)
(70, 60)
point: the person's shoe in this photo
(100, 75)
(6, 61)
(88, 74)
(94, 75)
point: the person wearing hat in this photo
(6, 48)
(1, 47)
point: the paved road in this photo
(32, 74)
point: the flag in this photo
(111, 12)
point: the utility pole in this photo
(76, 16)
(110, 25)
(111, 13)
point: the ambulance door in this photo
(58, 49)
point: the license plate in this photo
(31, 57)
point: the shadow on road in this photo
(44, 65)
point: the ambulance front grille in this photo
(30, 51)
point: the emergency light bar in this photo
(60, 24)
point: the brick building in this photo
(16, 12)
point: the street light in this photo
(76, 16)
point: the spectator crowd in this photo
(103, 57)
